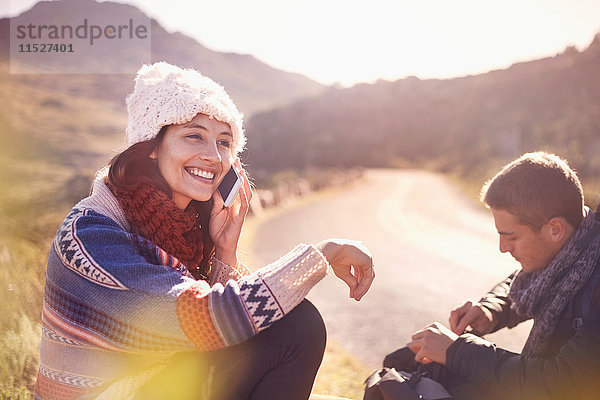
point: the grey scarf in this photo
(543, 295)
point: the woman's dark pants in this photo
(279, 363)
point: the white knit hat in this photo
(165, 94)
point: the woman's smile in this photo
(199, 173)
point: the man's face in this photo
(533, 249)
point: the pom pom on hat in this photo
(165, 94)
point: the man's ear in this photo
(153, 155)
(558, 229)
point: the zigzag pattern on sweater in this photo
(54, 336)
(260, 302)
(69, 379)
(73, 255)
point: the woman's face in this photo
(193, 158)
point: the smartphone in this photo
(229, 186)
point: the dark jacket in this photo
(570, 369)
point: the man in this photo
(538, 209)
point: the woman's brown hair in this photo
(134, 167)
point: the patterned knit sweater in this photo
(116, 306)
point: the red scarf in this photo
(153, 215)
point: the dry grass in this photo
(341, 374)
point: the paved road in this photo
(433, 248)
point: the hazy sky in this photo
(361, 41)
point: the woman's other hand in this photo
(225, 224)
(351, 262)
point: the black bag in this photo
(389, 384)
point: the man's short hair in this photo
(536, 187)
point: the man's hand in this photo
(479, 318)
(430, 343)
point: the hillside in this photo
(469, 125)
(254, 85)
(65, 126)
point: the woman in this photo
(145, 296)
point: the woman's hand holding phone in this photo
(226, 222)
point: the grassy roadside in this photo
(341, 374)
